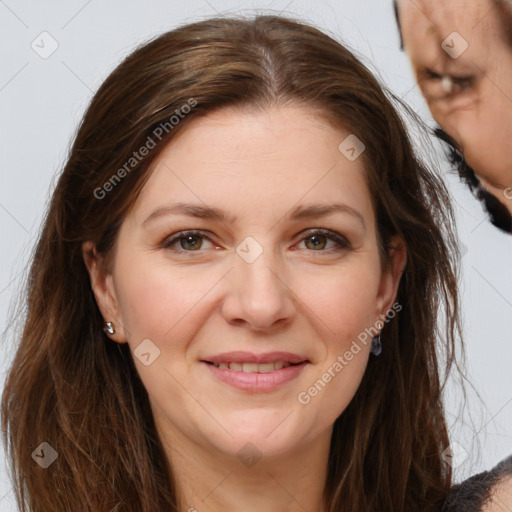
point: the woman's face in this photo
(256, 280)
(465, 41)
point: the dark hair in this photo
(476, 492)
(498, 213)
(68, 385)
(398, 24)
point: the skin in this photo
(501, 497)
(296, 297)
(477, 113)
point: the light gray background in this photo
(42, 100)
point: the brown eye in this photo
(189, 241)
(436, 86)
(193, 242)
(317, 241)
(463, 83)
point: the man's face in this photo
(501, 497)
(463, 65)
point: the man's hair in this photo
(498, 213)
(397, 18)
(475, 492)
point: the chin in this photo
(257, 434)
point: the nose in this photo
(258, 295)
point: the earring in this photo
(376, 345)
(108, 328)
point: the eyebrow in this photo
(300, 212)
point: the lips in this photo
(256, 373)
(242, 358)
(253, 380)
(253, 367)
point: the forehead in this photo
(265, 162)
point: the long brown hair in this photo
(74, 389)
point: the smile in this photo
(253, 367)
(253, 377)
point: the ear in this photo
(102, 285)
(390, 280)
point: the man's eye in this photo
(437, 86)
(462, 83)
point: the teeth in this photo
(253, 367)
(263, 368)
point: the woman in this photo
(233, 303)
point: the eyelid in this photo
(434, 86)
(433, 75)
(458, 79)
(343, 243)
(170, 240)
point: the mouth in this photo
(255, 373)
(253, 367)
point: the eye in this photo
(189, 241)
(316, 240)
(462, 83)
(437, 86)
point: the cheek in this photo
(170, 305)
(344, 301)
(346, 306)
(164, 302)
(159, 300)
(487, 144)
(177, 307)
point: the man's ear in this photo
(390, 279)
(102, 286)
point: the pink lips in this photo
(253, 381)
(249, 357)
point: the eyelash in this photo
(464, 82)
(331, 235)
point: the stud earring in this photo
(108, 328)
(376, 346)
